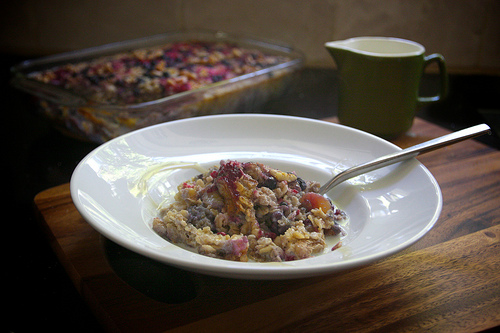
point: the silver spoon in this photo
(405, 154)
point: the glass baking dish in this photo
(78, 116)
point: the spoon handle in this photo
(405, 154)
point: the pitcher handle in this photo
(443, 76)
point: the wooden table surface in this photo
(449, 281)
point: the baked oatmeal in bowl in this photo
(249, 211)
(124, 184)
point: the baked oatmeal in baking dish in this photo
(249, 211)
(100, 93)
(148, 74)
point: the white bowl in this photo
(118, 187)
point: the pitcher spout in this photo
(338, 50)
(338, 45)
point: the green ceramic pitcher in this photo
(379, 79)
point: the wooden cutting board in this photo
(448, 281)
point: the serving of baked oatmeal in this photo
(249, 211)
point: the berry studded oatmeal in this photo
(241, 211)
(147, 74)
(100, 94)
